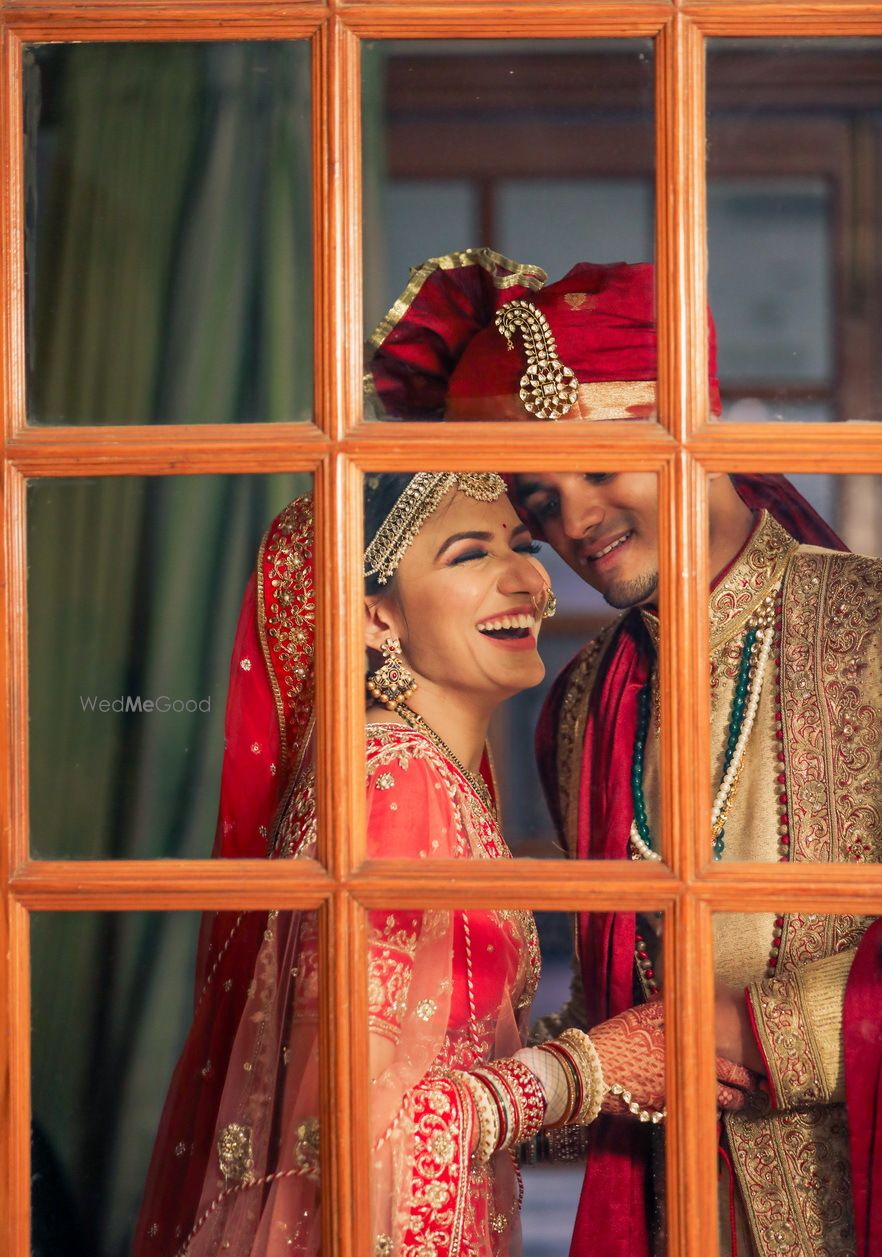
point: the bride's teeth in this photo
(521, 621)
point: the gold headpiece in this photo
(548, 388)
(418, 501)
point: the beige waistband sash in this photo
(600, 399)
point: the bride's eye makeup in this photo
(467, 555)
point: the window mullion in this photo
(339, 654)
(683, 658)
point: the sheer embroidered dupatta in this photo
(432, 1007)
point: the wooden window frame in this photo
(336, 448)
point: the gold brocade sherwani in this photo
(810, 790)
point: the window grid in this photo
(337, 448)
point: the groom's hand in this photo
(734, 1033)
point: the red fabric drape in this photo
(862, 1033)
(616, 1186)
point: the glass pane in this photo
(465, 604)
(796, 662)
(454, 999)
(113, 1016)
(135, 586)
(782, 1011)
(794, 227)
(168, 241)
(536, 151)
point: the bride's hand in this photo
(631, 1047)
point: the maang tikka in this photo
(392, 683)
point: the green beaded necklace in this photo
(736, 722)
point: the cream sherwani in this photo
(810, 790)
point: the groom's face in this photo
(603, 524)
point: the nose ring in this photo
(545, 602)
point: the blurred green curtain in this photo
(374, 59)
(170, 280)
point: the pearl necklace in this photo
(744, 712)
(768, 619)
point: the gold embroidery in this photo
(437, 1194)
(385, 781)
(788, 1043)
(440, 1183)
(571, 729)
(831, 681)
(520, 275)
(754, 574)
(426, 1009)
(306, 1147)
(477, 829)
(793, 1166)
(234, 1153)
(792, 1169)
(286, 620)
(444, 1205)
(296, 834)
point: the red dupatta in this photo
(267, 732)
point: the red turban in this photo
(440, 353)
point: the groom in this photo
(796, 691)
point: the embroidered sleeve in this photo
(797, 1020)
(409, 816)
(436, 1198)
(391, 946)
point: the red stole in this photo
(862, 1033)
(614, 1207)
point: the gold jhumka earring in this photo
(392, 683)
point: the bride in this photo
(454, 601)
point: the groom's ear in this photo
(379, 621)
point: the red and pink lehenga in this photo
(235, 1167)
